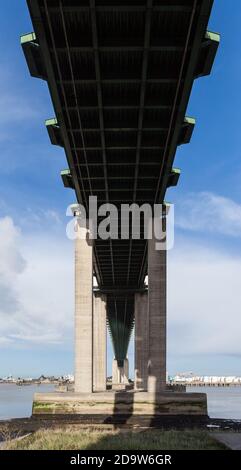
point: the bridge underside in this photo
(120, 75)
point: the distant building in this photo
(207, 380)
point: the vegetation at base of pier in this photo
(90, 439)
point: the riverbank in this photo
(68, 432)
(18, 427)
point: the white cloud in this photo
(208, 212)
(12, 264)
(37, 294)
(36, 287)
(204, 302)
(37, 218)
(5, 341)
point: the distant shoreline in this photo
(210, 385)
(59, 382)
(33, 382)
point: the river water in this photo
(16, 402)
(223, 402)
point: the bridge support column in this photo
(156, 316)
(141, 341)
(83, 309)
(120, 373)
(100, 338)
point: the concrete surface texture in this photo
(99, 347)
(83, 311)
(156, 380)
(141, 340)
(120, 375)
(123, 403)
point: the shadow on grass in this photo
(122, 410)
(156, 440)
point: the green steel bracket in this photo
(33, 56)
(54, 132)
(207, 55)
(173, 177)
(186, 130)
(67, 179)
(167, 204)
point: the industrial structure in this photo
(120, 74)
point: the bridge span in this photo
(120, 74)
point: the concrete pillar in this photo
(156, 317)
(141, 340)
(99, 349)
(83, 310)
(120, 375)
(115, 373)
(125, 372)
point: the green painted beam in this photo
(67, 179)
(30, 37)
(54, 132)
(33, 56)
(174, 177)
(207, 54)
(120, 319)
(216, 37)
(186, 130)
(51, 122)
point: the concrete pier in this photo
(141, 340)
(156, 381)
(120, 374)
(139, 407)
(100, 339)
(83, 310)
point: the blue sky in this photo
(36, 259)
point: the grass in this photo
(72, 439)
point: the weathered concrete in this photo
(120, 375)
(83, 311)
(141, 341)
(156, 381)
(99, 349)
(121, 403)
(125, 371)
(119, 387)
